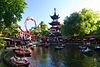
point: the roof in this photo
(55, 28)
(54, 23)
(55, 16)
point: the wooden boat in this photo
(19, 62)
(22, 51)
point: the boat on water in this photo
(22, 52)
(19, 62)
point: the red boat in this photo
(22, 51)
(19, 62)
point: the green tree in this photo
(89, 20)
(34, 30)
(13, 29)
(71, 24)
(43, 28)
(80, 23)
(10, 12)
(98, 27)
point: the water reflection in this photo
(39, 57)
(68, 57)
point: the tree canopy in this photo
(98, 27)
(81, 23)
(10, 12)
(43, 28)
(71, 24)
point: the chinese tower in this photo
(55, 24)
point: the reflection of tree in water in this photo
(72, 57)
(96, 59)
(39, 56)
(43, 55)
(35, 60)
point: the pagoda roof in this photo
(54, 23)
(55, 16)
(55, 28)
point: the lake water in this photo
(70, 56)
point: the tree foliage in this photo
(81, 23)
(89, 20)
(13, 29)
(98, 27)
(71, 24)
(10, 13)
(43, 28)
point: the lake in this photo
(70, 56)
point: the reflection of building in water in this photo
(35, 61)
(39, 56)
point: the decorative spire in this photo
(55, 16)
(54, 11)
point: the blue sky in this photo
(42, 9)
